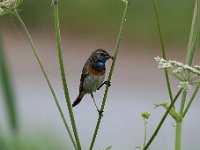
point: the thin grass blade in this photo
(8, 90)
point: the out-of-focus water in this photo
(136, 85)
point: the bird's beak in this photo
(112, 57)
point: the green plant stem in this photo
(178, 135)
(62, 71)
(8, 90)
(163, 48)
(162, 120)
(194, 34)
(159, 29)
(192, 44)
(110, 73)
(45, 75)
(191, 100)
(145, 132)
(184, 95)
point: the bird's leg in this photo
(99, 111)
(105, 82)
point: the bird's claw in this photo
(100, 112)
(108, 83)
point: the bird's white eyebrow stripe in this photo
(103, 52)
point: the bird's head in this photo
(101, 55)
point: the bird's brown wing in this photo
(84, 74)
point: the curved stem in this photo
(192, 44)
(163, 49)
(110, 74)
(162, 120)
(62, 71)
(45, 75)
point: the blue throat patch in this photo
(99, 66)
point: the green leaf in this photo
(194, 34)
(8, 90)
(108, 148)
(172, 111)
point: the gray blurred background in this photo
(137, 82)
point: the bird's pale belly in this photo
(92, 83)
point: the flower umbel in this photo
(7, 6)
(184, 73)
(162, 63)
(185, 85)
(145, 115)
(7, 3)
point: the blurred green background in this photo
(103, 17)
(87, 25)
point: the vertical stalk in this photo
(111, 72)
(178, 132)
(62, 71)
(184, 95)
(192, 44)
(45, 75)
(163, 48)
(194, 34)
(178, 135)
(145, 132)
(8, 90)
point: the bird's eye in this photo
(103, 54)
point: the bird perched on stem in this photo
(92, 77)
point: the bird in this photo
(93, 74)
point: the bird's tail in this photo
(78, 99)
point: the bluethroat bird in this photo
(92, 77)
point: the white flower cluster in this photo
(185, 73)
(162, 63)
(184, 85)
(1, 10)
(8, 5)
(197, 67)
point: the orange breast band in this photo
(95, 72)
